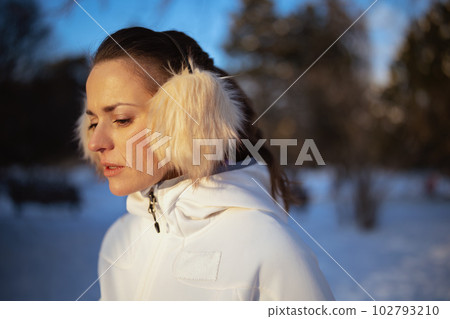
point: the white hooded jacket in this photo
(225, 240)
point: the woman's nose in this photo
(100, 140)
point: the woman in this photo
(203, 218)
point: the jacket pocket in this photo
(190, 265)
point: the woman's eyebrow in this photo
(110, 108)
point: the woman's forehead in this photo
(114, 82)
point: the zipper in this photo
(149, 273)
(152, 209)
(150, 288)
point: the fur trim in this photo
(83, 134)
(195, 106)
(83, 138)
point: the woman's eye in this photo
(93, 125)
(123, 122)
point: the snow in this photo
(50, 253)
(407, 257)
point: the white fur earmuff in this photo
(197, 105)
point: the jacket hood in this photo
(183, 210)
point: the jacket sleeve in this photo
(290, 270)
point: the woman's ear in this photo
(197, 105)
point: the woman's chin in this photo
(131, 181)
(120, 190)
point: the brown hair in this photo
(159, 52)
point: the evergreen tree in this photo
(417, 112)
(328, 103)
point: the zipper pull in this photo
(151, 209)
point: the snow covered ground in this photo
(50, 253)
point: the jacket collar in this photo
(183, 209)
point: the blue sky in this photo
(208, 22)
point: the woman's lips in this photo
(111, 170)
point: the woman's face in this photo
(117, 107)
